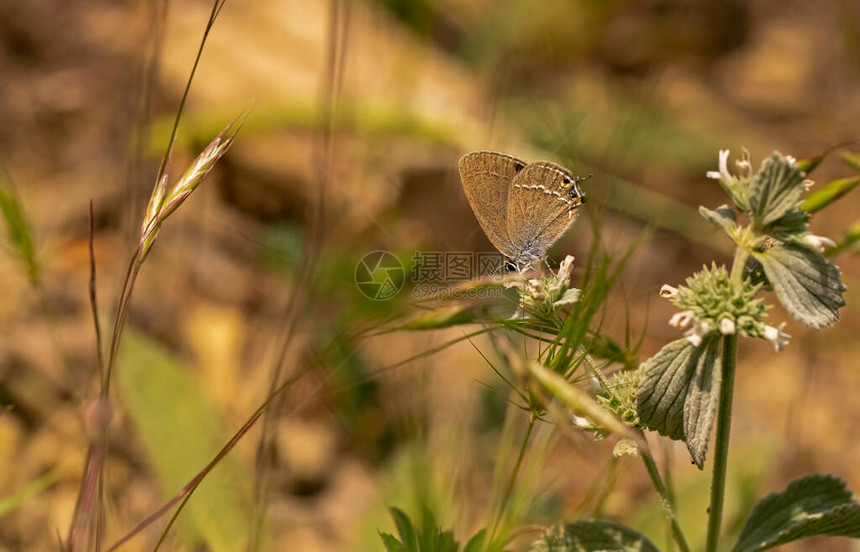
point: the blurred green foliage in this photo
(181, 431)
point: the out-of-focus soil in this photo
(411, 101)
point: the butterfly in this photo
(522, 207)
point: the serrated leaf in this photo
(701, 404)
(678, 394)
(828, 193)
(738, 190)
(661, 394)
(809, 506)
(723, 216)
(806, 284)
(775, 189)
(592, 536)
(390, 543)
(431, 537)
(404, 528)
(428, 537)
(789, 226)
(754, 272)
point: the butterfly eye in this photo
(510, 267)
(573, 193)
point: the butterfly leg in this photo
(508, 266)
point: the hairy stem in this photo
(741, 256)
(721, 452)
(665, 498)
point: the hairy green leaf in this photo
(723, 216)
(775, 190)
(789, 226)
(700, 407)
(754, 272)
(809, 506)
(663, 389)
(829, 193)
(678, 394)
(592, 536)
(806, 284)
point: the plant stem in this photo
(510, 488)
(721, 452)
(741, 256)
(665, 498)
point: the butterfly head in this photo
(574, 192)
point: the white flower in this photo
(581, 422)
(697, 329)
(818, 243)
(727, 326)
(791, 160)
(776, 336)
(625, 446)
(566, 267)
(808, 184)
(744, 164)
(535, 287)
(682, 319)
(695, 334)
(668, 292)
(723, 173)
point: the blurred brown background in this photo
(643, 94)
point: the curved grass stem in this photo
(512, 481)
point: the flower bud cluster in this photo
(711, 301)
(541, 297)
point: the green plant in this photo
(689, 383)
(427, 537)
(687, 387)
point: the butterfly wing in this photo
(487, 178)
(540, 206)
